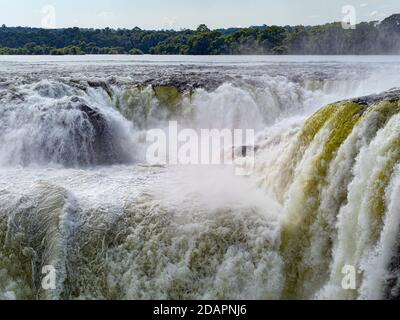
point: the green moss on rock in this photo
(340, 120)
(168, 96)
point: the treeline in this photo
(81, 49)
(332, 38)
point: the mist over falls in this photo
(76, 192)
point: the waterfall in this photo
(76, 193)
(336, 190)
(52, 123)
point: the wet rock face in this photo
(101, 153)
(101, 84)
(106, 149)
(390, 95)
(392, 290)
(188, 82)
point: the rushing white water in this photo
(76, 193)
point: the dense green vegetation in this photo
(332, 38)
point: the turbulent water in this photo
(77, 194)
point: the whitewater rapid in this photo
(76, 192)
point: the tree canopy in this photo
(331, 38)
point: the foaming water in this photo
(51, 122)
(77, 194)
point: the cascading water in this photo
(77, 194)
(51, 122)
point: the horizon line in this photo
(190, 29)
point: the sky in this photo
(179, 14)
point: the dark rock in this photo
(392, 288)
(101, 84)
(106, 149)
(390, 95)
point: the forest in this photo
(329, 39)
